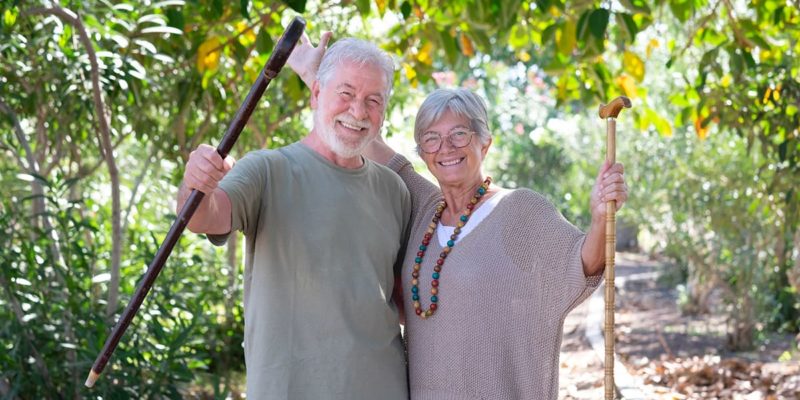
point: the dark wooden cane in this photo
(609, 112)
(276, 61)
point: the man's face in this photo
(349, 109)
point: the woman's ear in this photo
(485, 147)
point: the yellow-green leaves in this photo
(208, 54)
(633, 65)
(566, 36)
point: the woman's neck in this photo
(458, 197)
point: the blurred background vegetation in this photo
(102, 101)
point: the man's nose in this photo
(358, 109)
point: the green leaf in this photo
(264, 42)
(405, 9)
(244, 8)
(450, 47)
(549, 33)
(217, 8)
(681, 9)
(582, 30)
(363, 7)
(297, 5)
(627, 25)
(519, 37)
(598, 22)
(10, 16)
(175, 18)
(567, 39)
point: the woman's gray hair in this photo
(461, 102)
(359, 52)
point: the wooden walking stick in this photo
(283, 48)
(609, 112)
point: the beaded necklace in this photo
(437, 268)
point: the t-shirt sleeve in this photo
(244, 185)
(406, 204)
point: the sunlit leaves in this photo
(633, 65)
(208, 54)
(652, 118)
(628, 86)
(566, 37)
(10, 16)
(466, 45)
(651, 45)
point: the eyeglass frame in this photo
(449, 139)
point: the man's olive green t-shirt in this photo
(322, 245)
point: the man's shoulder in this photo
(270, 156)
(386, 174)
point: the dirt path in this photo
(669, 355)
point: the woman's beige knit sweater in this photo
(505, 290)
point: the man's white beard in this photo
(339, 147)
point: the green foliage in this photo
(52, 315)
(711, 149)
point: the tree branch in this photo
(737, 33)
(136, 185)
(32, 165)
(71, 18)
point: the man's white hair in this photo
(359, 52)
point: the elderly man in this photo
(324, 229)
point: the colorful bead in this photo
(424, 314)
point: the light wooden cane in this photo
(609, 112)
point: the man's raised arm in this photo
(204, 170)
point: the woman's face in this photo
(450, 165)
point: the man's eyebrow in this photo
(345, 85)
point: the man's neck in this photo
(316, 144)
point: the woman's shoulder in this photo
(526, 198)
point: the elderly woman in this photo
(489, 273)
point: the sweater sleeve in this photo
(540, 240)
(423, 192)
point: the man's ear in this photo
(314, 94)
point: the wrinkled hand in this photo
(305, 58)
(206, 168)
(609, 185)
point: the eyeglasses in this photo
(431, 142)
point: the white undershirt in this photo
(443, 232)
